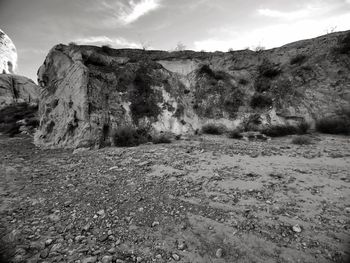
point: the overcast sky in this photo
(36, 25)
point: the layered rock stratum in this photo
(89, 91)
(17, 89)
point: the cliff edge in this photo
(90, 91)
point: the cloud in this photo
(275, 35)
(103, 40)
(286, 15)
(127, 11)
(136, 10)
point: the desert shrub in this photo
(260, 101)
(243, 81)
(280, 130)
(262, 84)
(161, 138)
(303, 127)
(206, 70)
(344, 112)
(143, 99)
(106, 49)
(217, 75)
(128, 136)
(234, 134)
(343, 45)
(268, 70)
(259, 48)
(212, 128)
(334, 125)
(301, 140)
(252, 123)
(298, 59)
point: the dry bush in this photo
(212, 128)
(302, 140)
(128, 136)
(161, 138)
(234, 134)
(298, 59)
(303, 127)
(260, 101)
(280, 130)
(334, 125)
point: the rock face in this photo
(17, 89)
(90, 91)
(8, 54)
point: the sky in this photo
(35, 26)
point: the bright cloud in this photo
(286, 15)
(103, 40)
(138, 9)
(276, 35)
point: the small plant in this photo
(298, 59)
(303, 127)
(235, 134)
(161, 138)
(268, 70)
(215, 75)
(243, 81)
(301, 140)
(206, 70)
(180, 47)
(106, 49)
(260, 101)
(212, 128)
(343, 46)
(259, 48)
(334, 125)
(128, 136)
(280, 130)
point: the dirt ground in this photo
(202, 199)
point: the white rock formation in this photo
(8, 54)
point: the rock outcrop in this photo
(17, 89)
(18, 105)
(8, 54)
(90, 91)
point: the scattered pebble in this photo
(219, 253)
(176, 257)
(296, 228)
(107, 259)
(155, 223)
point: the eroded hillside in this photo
(90, 91)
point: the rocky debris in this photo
(219, 253)
(176, 257)
(296, 228)
(88, 92)
(206, 198)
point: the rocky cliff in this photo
(17, 89)
(89, 91)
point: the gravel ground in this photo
(201, 199)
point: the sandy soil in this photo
(204, 199)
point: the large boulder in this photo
(89, 91)
(17, 89)
(18, 104)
